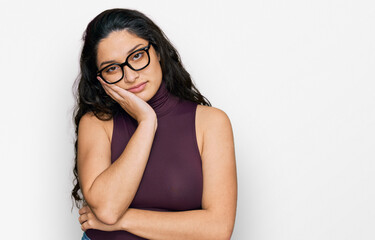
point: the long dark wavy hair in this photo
(91, 97)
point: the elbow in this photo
(106, 217)
(111, 214)
(227, 235)
(224, 232)
(105, 212)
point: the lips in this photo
(137, 88)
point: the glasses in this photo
(137, 60)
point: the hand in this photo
(132, 104)
(88, 220)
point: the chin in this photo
(148, 92)
(144, 95)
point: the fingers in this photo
(86, 218)
(84, 209)
(135, 106)
(83, 218)
(106, 87)
(86, 221)
(113, 91)
(86, 225)
(118, 94)
(116, 89)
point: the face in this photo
(116, 48)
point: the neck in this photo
(162, 101)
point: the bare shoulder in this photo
(212, 124)
(90, 123)
(90, 118)
(210, 117)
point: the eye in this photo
(137, 56)
(111, 68)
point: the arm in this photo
(109, 188)
(216, 219)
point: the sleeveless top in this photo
(172, 179)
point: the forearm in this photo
(114, 189)
(193, 224)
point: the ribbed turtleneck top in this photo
(172, 179)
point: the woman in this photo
(153, 159)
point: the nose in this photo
(130, 75)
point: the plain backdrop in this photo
(296, 78)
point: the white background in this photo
(296, 78)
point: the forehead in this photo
(117, 45)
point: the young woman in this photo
(153, 159)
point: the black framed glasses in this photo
(137, 60)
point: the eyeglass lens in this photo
(137, 61)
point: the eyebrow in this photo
(112, 61)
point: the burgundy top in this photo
(172, 180)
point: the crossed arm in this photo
(216, 218)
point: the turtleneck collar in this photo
(163, 101)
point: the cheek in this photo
(155, 63)
(155, 69)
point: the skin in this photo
(110, 188)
